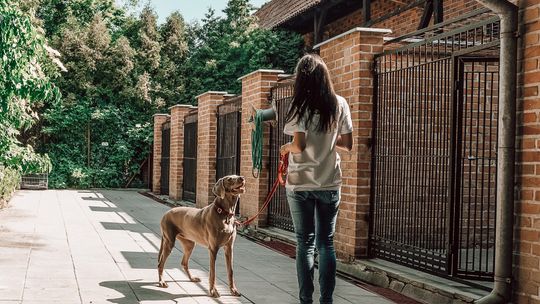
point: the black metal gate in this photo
(279, 214)
(189, 187)
(435, 129)
(228, 137)
(475, 175)
(165, 156)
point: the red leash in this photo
(281, 178)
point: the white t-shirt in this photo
(318, 166)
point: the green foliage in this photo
(224, 49)
(100, 133)
(9, 180)
(23, 84)
(123, 69)
(173, 55)
(55, 14)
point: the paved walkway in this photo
(101, 247)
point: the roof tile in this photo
(276, 12)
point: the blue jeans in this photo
(314, 215)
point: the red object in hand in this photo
(282, 168)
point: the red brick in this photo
(531, 14)
(530, 64)
(526, 195)
(159, 119)
(206, 145)
(530, 208)
(531, 52)
(530, 91)
(531, 236)
(536, 250)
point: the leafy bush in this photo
(24, 84)
(9, 180)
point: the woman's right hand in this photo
(297, 145)
(284, 149)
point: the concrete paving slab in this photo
(52, 294)
(11, 291)
(100, 246)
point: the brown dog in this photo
(212, 226)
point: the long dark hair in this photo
(313, 94)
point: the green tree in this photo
(148, 42)
(23, 84)
(225, 48)
(55, 14)
(100, 133)
(238, 17)
(203, 42)
(173, 55)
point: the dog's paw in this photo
(234, 292)
(214, 293)
(162, 284)
(194, 279)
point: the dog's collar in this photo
(220, 210)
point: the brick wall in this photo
(159, 119)
(206, 145)
(255, 89)
(349, 59)
(177, 150)
(400, 24)
(527, 233)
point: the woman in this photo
(319, 121)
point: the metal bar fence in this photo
(189, 187)
(165, 156)
(476, 236)
(278, 211)
(228, 137)
(435, 137)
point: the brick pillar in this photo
(255, 89)
(159, 119)
(177, 150)
(207, 145)
(527, 207)
(349, 58)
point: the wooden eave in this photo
(335, 9)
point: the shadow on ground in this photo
(140, 260)
(145, 291)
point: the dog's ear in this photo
(219, 189)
